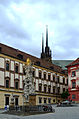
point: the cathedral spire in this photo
(46, 35)
(42, 43)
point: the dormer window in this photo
(37, 63)
(20, 56)
(51, 67)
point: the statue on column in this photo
(28, 81)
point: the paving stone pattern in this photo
(60, 113)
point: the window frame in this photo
(73, 75)
(7, 86)
(7, 67)
(16, 70)
(73, 84)
(40, 100)
(16, 85)
(73, 96)
(40, 74)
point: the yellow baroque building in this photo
(49, 80)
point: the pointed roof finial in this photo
(46, 35)
(42, 43)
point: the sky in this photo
(22, 23)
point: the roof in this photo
(62, 63)
(12, 52)
(73, 63)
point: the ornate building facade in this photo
(50, 80)
(73, 80)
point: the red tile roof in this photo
(12, 52)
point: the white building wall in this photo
(77, 73)
(7, 59)
(61, 89)
(16, 62)
(21, 68)
(36, 84)
(51, 76)
(12, 65)
(40, 81)
(16, 76)
(61, 79)
(42, 85)
(12, 80)
(7, 74)
(37, 72)
(49, 83)
(1, 78)
(1, 62)
(21, 86)
(45, 82)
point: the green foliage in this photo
(65, 94)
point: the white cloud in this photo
(24, 21)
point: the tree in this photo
(65, 94)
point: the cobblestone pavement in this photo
(60, 113)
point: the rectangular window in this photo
(49, 100)
(45, 100)
(24, 71)
(16, 101)
(7, 83)
(7, 66)
(58, 90)
(73, 73)
(73, 96)
(33, 73)
(49, 77)
(40, 88)
(53, 100)
(44, 76)
(16, 69)
(40, 75)
(73, 84)
(16, 85)
(63, 80)
(49, 89)
(40, 100)
(54, 89)
(58, 79)
(45, 89)
(6, 100)
(54, 78)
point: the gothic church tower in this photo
(46, 54)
